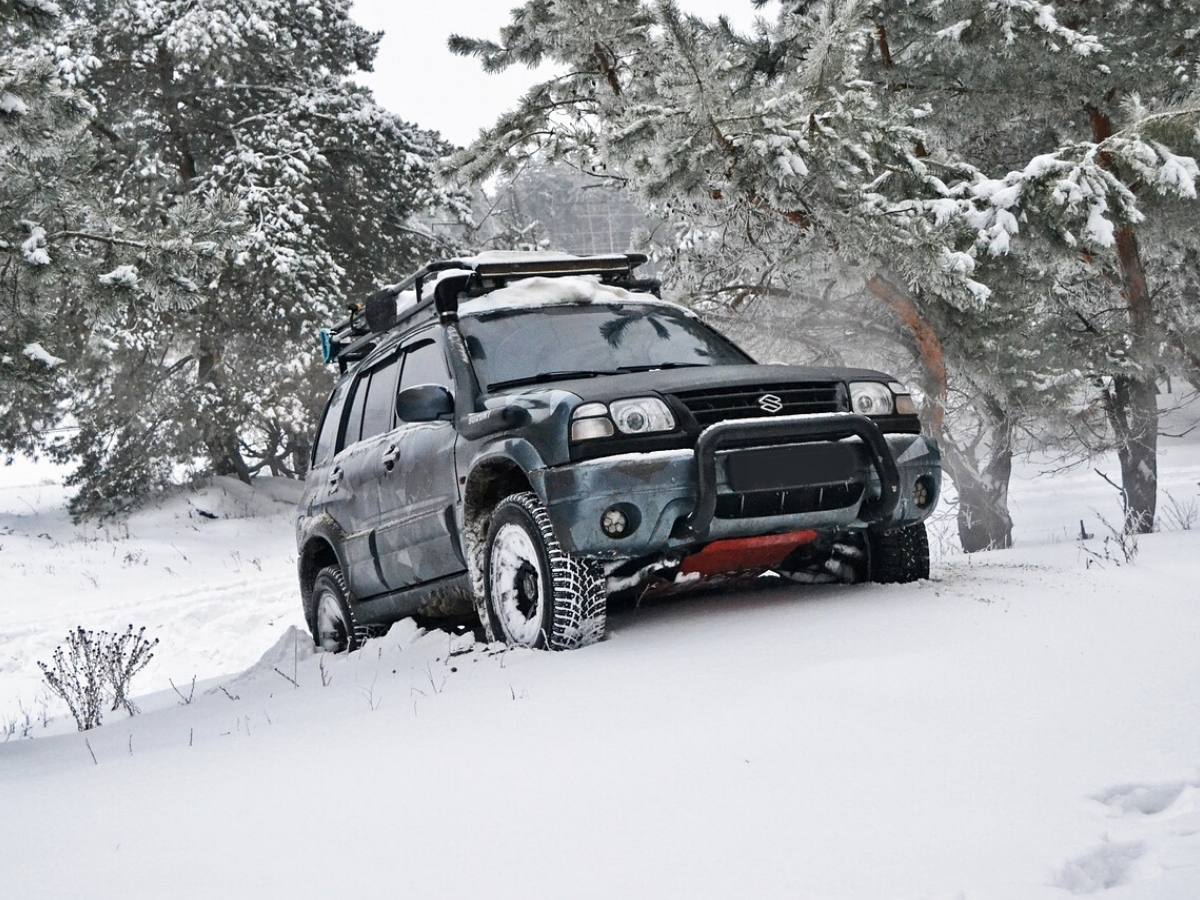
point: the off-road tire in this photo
(335, 628)
(900, 555)
(536, 594)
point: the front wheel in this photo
(900, 555)
(537, 594)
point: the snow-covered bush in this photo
(95, 669)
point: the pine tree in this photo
(234, 118)
(62, 243)
(781, 164)
(44, 150)
(1089, 109)
(805, 146)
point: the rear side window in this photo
(328, 432)
(358, 399)
(380, 409)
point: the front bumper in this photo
(679, 499)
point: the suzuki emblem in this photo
(770, 403)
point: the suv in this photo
(518, 436)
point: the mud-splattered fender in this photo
(321, 527)
(540, 443)
(320, 541)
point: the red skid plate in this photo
(745, 554)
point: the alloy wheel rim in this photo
(332, 629)
(517, 580)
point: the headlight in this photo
(638, 415)
(641, 415)
(870, 398)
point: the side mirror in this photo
(424, 403)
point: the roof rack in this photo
(353, 338)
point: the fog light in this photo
(615, 523)
(923, 494)
(619, 521)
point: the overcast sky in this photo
(417, 78)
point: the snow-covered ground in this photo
(1024, 725)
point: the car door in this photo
(418, 535)
(357, 469)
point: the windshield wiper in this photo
(542, 377)
(650, 367)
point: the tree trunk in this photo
(983, 519)
(927, 344)
(224, 454)
(1132, 402)
(220, 439)
(984, 522)
(172, 97)
(1132, 406)
(301, 451)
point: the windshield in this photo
(514, 347)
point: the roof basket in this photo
(353, 337)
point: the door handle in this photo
(335, 478)
(390, 456)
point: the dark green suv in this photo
(519, 436)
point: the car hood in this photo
(668, 381)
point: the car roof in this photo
(502, 279)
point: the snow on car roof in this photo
(532, 291)
(538, 290)
(557, 290)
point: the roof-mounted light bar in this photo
(613, 264)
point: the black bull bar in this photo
(822, 426)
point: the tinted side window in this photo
(424, 363)
(380, 407)
(358, 399)
(327, 435)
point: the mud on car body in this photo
(519, 436)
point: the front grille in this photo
(758, 401)
(756, 504)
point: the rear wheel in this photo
(538, 595)
(334, 627)
(900, 555)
